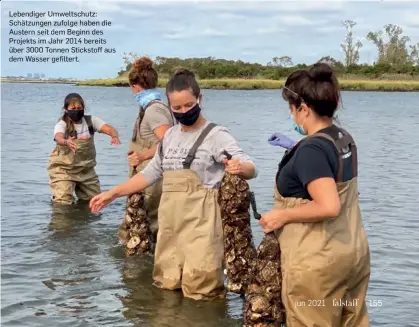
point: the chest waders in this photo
(74, 172)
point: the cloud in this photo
(213, 32)
(292, 20)
(174, 36)
(230, 16)
(412, 19)
(270, 30)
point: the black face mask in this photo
(75, 115)
(190, 117)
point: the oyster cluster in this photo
(137, 226)
(239, 250)
(263, 303)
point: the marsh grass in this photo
(265, 84)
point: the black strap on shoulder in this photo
(89, 124)
(191, 155)
(345, 141)
(140, 118)
(340, 144)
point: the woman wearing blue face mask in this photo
(191, 164)
(153, 120)
(324, 249)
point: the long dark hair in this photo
(71, 98)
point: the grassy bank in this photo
(259, 84)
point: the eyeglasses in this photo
(292, 91)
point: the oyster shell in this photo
(263, 303)
(137, 231)
(239, 250)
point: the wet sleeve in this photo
(314, 160)
(225, 141)
(59, 127)
(153, 171)
(156, 116)
(97, 123)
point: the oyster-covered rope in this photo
(137, 225)
(239, 250)
(263, 303)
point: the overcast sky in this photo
(253, 31)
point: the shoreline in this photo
(266, 84)
(37, 81)
(246, 84)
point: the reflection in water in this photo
(147, 305)
(66, 219)
(75, 243)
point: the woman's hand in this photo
(115, 140)
(136, 158)
(233, 166)
(71, 144)
(273, 220)
(100, 201)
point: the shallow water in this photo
(64, 266)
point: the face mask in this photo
(297, 128)
(75, 115)
(190, 117)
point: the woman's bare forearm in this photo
(135, 184)
(247, 170)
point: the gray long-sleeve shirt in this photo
(208, 158)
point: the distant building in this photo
(29, 75)
(36, 75)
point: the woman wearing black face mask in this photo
(190, 159)
(72, 162)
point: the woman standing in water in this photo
(190, 159)
(153, 121)
(325, 254)
(72, 163)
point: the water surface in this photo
(64, 267)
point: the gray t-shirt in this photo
(155, 116)
(208, 158)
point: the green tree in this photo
(394, 50)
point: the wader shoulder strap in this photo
(345, 141)
(191, 155)
(341, 144)
(140, 118)
(89, 123)
(340, 169)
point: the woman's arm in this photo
(159, 132)
(112, 132)
(109, 130)
(241, 163)
(316, 168)
(325, 203)
(135, 184)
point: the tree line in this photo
(396, 55)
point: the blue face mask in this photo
(297, 128)
(144, 97)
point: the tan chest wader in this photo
(326, 265)
(153, 192)
(70, 171)
(189, 249)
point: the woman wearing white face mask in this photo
(189, 249)
(324, 249)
